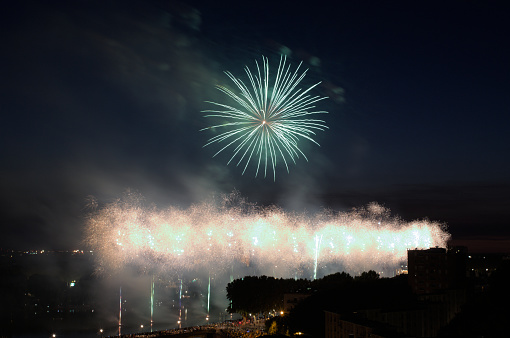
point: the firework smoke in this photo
(217, 236)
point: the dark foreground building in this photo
(437, 280)
(436, 269)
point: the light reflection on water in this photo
(113, 330)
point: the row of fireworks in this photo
(212, 237)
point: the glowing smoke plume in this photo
(216, 237)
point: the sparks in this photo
(267, 123)
(207, 236)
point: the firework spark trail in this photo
(268, 123)
(206, 236)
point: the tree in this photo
(261, 294)
(368, 276)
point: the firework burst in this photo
(267, 121)
(214, 237)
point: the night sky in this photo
(99, 97)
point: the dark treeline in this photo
(485, 312)
(345, 296)
(261, 295)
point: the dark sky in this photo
(102, 96)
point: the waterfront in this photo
(46, 292)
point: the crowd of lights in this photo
(216, 236)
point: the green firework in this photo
(267, 121)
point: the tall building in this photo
(435, 270)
